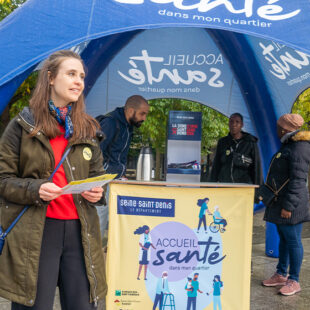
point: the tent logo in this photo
(145, 73)
(282, 61)
(268, 11)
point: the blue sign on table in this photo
(145, 206)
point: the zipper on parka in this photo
(119, 156)
(88, 242)
(232, 160)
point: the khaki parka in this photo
(26, 163)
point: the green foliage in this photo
(8, 6)
(302, 107)
(23, 94)
(153, 132)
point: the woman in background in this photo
(291, 209)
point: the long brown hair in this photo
(84, 126)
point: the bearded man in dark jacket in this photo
(237, 157)
(117, 127)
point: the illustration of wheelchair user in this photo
(219, 223)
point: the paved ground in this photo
(266, 298)
(262, 298)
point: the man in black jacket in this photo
(237, 157)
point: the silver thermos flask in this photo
(145, 164)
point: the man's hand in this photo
(49, 191)
(286, 214)
(93, 195)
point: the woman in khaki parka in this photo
(57, 241)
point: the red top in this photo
(63, 207)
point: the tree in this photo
(302, 107)
(8, 6)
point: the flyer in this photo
(80, 186)
(189, 248)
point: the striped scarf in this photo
(62, 116)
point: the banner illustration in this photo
(174, 248)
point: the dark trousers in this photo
(191, 301)
(158, 299)
(222, 221)
(61, 263)
(202, 220)
(290, 250)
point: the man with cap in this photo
(290, 166)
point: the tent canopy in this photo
(242, 55)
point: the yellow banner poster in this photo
(178, 248)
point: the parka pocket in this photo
(8, 213)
